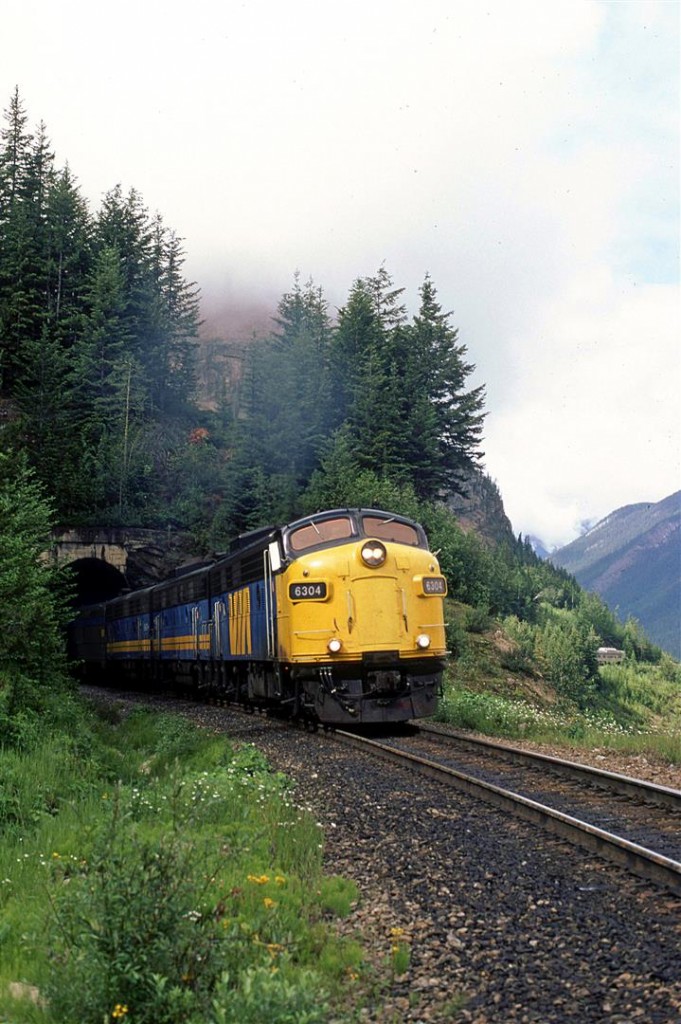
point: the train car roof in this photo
(244, 540)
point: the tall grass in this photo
(635, 708)
(166, 878)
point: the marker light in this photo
(334, 646)
(423, 641)
(373, 553)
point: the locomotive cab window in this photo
(391, 530)
(322, 532)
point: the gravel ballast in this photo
(505, 923)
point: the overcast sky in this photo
(525, 154)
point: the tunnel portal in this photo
(108, 561)
(96, 580)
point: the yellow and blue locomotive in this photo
(336, 618)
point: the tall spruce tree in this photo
(25, 177)
(404, 399)
(286, 400)
(170, 347)
(70, 258)
(456, 411)
(300, 350)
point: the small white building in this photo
(606, 654)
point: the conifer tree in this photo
(31, 645)
(25, 176)
(286, 400)
(170, 348)
(386, 409)
(458, 412)
(70, 258)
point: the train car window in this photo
(391, 529)
(321, 532)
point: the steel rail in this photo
(638, 859)
(614, 782)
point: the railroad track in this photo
(632, 823)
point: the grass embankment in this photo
(501, 685)
(151, 872)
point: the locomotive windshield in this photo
(321, 532)
(390, 529)
(335, 528)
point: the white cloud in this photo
(592, 422)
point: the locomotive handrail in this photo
(269, 603)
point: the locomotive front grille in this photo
(370, 658)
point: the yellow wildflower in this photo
(397, 932)
(269, 903)
(259, 879)
(119, 1011)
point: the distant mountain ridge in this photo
(632, 558)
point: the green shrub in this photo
(478, 619)
(264, 995)
(134, 930)
(455, 632)
(523, 636)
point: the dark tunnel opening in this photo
(96, 580)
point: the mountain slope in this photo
(632, 558)
(482, 509)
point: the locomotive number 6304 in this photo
(307, 591)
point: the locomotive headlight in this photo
(334, 646)
(423, 641)
(373, 553)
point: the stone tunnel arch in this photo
(110, 560)
(96, 580)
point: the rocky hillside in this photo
(482, 509)
(632, 558)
